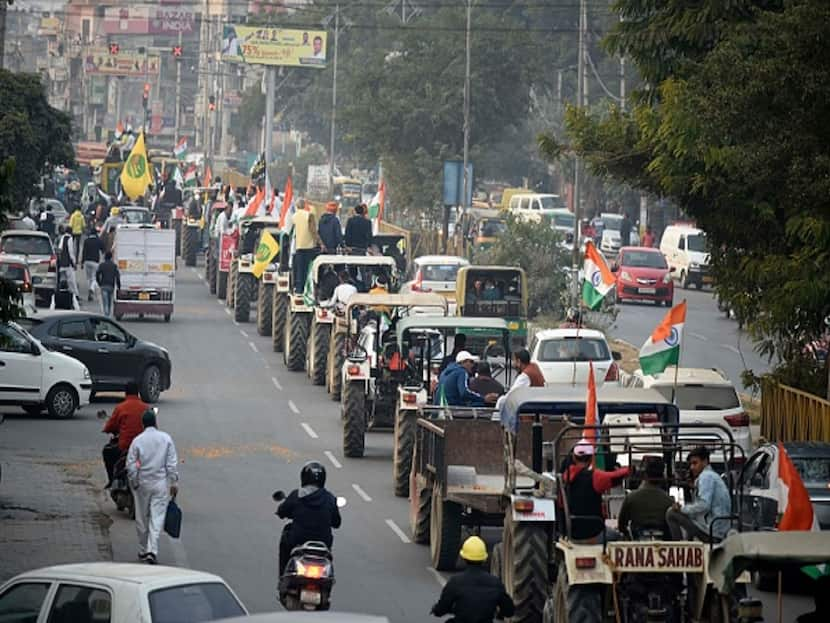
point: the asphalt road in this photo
(243, 426)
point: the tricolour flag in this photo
(598, 277)
(287, 200)
(662, 348)
(376, 207)
(136, 176)
(190, 176)
(181, 148)
(177, 177)
(266, 251)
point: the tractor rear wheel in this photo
(402, 452)
(233, 273)
(419, 507)
(221, 285)
(525, 567)
(444, 531)
(335, 365)
(579, 603)
(320, 346)
(190, 245)
(264, 302)
(296, 336)
(354, 419)
(245, 292)
(279, 308)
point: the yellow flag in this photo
(265, 252)
(135, 176)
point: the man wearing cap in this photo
(453, 389)
(474, 595)
(329, 229)
(584, 487)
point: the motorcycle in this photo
(308, 578)
(119, 488)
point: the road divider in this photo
(396, 529)
(333, 459)
(309, 431)
(361, 492)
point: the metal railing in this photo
(790, 414)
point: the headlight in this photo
(86, 374)
(694, 265)
(625, 276)
(667, 278)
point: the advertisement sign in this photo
(126, 20)
(454, 182)
(227, 245)
(99, 61)
(317, 180)
(171, 20)
(49, 27)
(274, 46)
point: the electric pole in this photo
(270, 78)
(581, 99)
(178, 91)
(467, 180)
(334, 98)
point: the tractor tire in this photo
(354, 419)
(444, 531)
(185, 242)
(191, 245)
(233, 275)
(525, 568)
(321, 334)
(296, 336)
(279, 313)
(208, 261)
(221, 285)
(402, 452)
(335, 365)
(245, 284)
(264, 303)
(211, 274)
(496, 557)
(580, 603)
(177, 227)
(419, 507)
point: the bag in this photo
(173, 520)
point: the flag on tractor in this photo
(308, 290)
(376, 207)
(177, 177)
(181, 148)
(266, 251)
(136, 176)
(794, 506)
(208, 177)
(287, 200)
(257, 205)
(190, 178)
(662, 348)
(599, 280)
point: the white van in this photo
(685, 249)
(534, 206)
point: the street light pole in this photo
(270, 78)
(467, 180)
(178, 91)
(334, 98)
(577, 160)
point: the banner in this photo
(227, 246)
(98, 61)
(274, 46)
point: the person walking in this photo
(47, 221)
(66, 262)
(625, 230)
(91, 257)
(358, 231)
(152, 471)
(77, 223)
(108, 278)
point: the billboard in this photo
(98, 61)
(274, 46)
(171, 20)
(143, 19)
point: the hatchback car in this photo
(15, 268)
(611, 240)
(36, 247)
(563, 356)
(643, 275)
(113, 355)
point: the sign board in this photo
(317, 180)
(171, 20)
(454, 182)
(274, 46)
(98, 61)
(227, 245)
(645, 557)
(142, 19)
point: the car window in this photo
(80, 604)
(135, 216)
(106, 331)
(440, 272)
(612, 222)
(552, 203)
(560, 219)
(193, 603)
(574, 349)
(26, 245)
(814, 470)
(74, 330)
(13, 341)
(22, 602)
(702, 397)
(643, 259)
(696, 242)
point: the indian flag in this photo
(598, 277)
(181, 148)
(190, 176)
(376, 207)
(662, 348)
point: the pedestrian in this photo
(625, 230)
(358, 231)
(92, 251)
(330, 230)
(152, 471)
(109, 279)
(27, 223)
(66, 261)
(306, 241)
(485, 385)
(78, 223)
(47, 221)
(648, 237)
(126, 423)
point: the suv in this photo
(36, 247)
(704, 396)
(563, 355)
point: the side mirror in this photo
(341, 502)
(616, 355)
(278, 496)
(34, 349)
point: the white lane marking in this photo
(401, 534)
(276, 383)
(731, 348)
(699, 336)
(361, 492)
(253, 347)
(228, 311)
(333, 459)
(242, 331)
(438, 577)
(293, 407)
(309, 430)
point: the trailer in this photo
(146, 259)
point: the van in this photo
(684, 247)
(534, 206)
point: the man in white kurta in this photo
(152, 469)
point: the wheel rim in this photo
(63, 403)
(153, 383)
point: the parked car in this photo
(15, 268)
(113, 355)
(703, 396)
(685, 249)
(643, 275)
(563, 356)
(117, 593)
(33, 377)
(611, 240)
(36, 247)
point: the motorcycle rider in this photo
(125, 422)
(474, 595)
(313, 510)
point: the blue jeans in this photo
(106, 300)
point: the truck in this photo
(146, 259)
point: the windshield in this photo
(702, 397)
(27, 245)
(564, 220)
(439, 272)
(574, 349)
(135, 217)
(814, 470)
(493, 228)
(643, 259)
(551, 203)
(612, 221)
(696, 242)
(347, 190)
(193, 603)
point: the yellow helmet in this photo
(115, 211)
(474, 550)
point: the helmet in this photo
(115, 211)
(474, 550)
(313, 473)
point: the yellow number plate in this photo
(143, 296)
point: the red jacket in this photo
(602, 481)
(125, 421)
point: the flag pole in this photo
(677, 365)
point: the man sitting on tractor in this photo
(645, 508)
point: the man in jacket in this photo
(109, 278)
(358, 231)
(91, 256)
(529, 374)
(126, 422)
(66, 261)
(330, 231)
(152, 471)
(453, 389)
(645, 508)
(306, 242)
(78, 223)
(474, 595)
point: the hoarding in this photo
(317, 181)
(98, 61)
(274, 46)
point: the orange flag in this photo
(288, 197)
(256, 203)
(591, 415)
(208, 176)
(794, 505)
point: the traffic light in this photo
(177, 51)
(146, 92)
(211, 103)
(114, 47)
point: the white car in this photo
(435, 273)
(563, 355)
(33, 377)
(611, 240)
(703, 396)
(36, 247)
(117, 593)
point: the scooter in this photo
(308, 578)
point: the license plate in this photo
(707, 280)
(143, 296)
(648, 290)
(311, 597)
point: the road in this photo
(244, 426)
